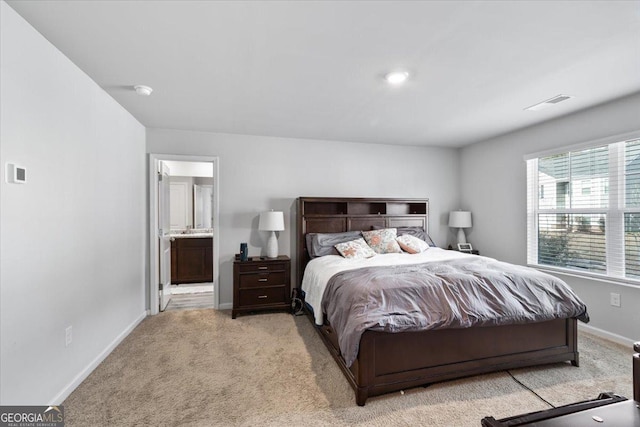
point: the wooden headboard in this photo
(339, 214)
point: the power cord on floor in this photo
(523, 385)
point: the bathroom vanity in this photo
(191, 258)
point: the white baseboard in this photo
(225, 306)
(619, 339)
(65, 392)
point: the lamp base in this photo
(272, 246)
(461, 237)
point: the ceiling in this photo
(314, 69)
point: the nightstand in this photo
(474, 251)
(261, 284)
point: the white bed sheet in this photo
(320, 270)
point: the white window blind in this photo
(583, 210)
(632, 208)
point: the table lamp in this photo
(271, 221)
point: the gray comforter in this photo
(451, 294)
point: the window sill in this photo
(631, 283)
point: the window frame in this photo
(615, 212)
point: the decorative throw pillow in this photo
(412, 244)
(382, 241)
(356, 249)
(414, 231)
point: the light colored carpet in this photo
(201, 368)
(604, 366)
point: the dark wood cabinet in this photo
(261, 284)
(473, 251)
(192, 260)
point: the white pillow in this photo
(412, 244)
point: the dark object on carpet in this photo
(607, 407)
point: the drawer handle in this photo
(263, 280)
(263, 268)
(262, 296)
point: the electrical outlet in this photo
(615, 299)
(68, 336)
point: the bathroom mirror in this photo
(202, 209)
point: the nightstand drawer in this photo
(256, 267)
(262, 279)
(263, 296)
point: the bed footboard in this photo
(384, 365)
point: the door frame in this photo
(154, 247)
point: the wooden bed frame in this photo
(389, 362)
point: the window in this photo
(632, 209)
(583, 210)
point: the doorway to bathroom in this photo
(183, 212)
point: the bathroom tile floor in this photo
(191, 296)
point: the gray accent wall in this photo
(72, 238)
(261, 173)
(493, 188)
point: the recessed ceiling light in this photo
(143, 90)
(549, 102)
(396, 77)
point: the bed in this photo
(384, 361)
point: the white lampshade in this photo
(271, 221)
(460, 219)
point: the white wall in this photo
(493, 188)
(262, 173)
(72, 238)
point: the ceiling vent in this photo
(549, 102)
